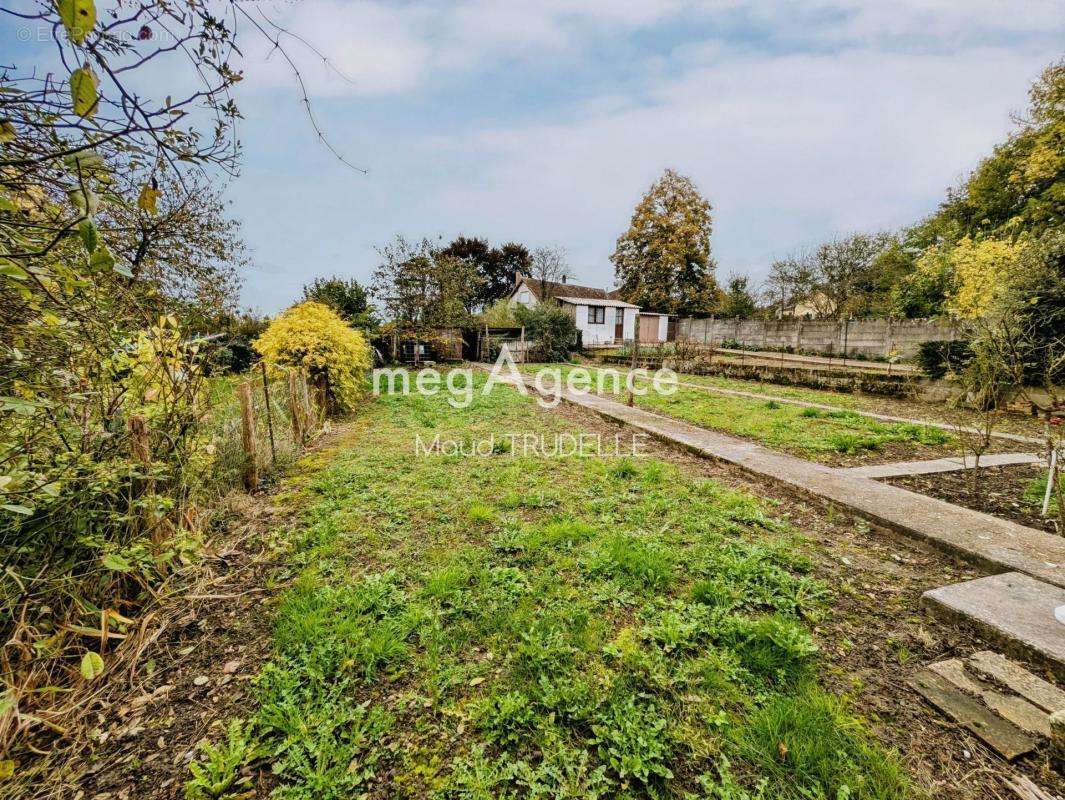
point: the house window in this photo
(596, 315)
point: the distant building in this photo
(599, 315)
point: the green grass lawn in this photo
(506, 626)
(803, 431)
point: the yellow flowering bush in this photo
(313, 337)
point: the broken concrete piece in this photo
(1003, 737)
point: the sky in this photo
(544, 121)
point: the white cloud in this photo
(798, 122)
(831, 142)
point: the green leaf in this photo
(122, 269)
(101, 258)
(92, 665)
(17, 509)
(10, 269)
(88, 235)
(116, 563)
(83, 94)
(78, 17)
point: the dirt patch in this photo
(1000, 492)
(137, 738)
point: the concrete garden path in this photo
(941, 465)
(1014, 437)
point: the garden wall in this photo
(870, 337)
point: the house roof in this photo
(595, 301)
(558, 289)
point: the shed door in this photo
(619, 323)
(649, 328)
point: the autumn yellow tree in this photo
(981, 273)
(662, 262)
(312, 336)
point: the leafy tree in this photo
(346, 296)
(496, 266)
(980, 273)
(1020, 187)
(837, 278)
(1018, 192)
(499, 315)
(511, 259)
(421, 287)
(312, 336)
(739, 302)
(662, 262)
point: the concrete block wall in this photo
(871, 337)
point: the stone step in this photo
(1013, 610)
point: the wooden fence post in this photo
(247, 433)
(295, 406)
(310, 418)
(141, 452)
(138, 439)
(635, 354)
(269, 413)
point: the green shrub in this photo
(936, 359)
(552, 332)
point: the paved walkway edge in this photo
(996, 544)
(935, 465)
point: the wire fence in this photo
(260, 421)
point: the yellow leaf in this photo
(7, 769)
(83, 83)
(7, 130)
(91, 666)
(149, 199)
(78, 17)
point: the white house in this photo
(601, 317)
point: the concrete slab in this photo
(941, 465)
(995, 543)
(1012, 609)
